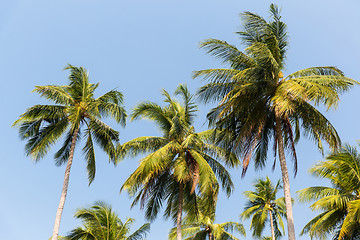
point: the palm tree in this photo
(202, 226)
(207, 229)
(262, 205)
(258, 104)
(101, 223)
(75, 112)
(340, 203)
(179, 162)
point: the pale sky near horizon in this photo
(140, 47)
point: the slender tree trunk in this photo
(179, 213)
(286, 182)
(272, 226)
(210, 236)
(65, 188)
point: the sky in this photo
(141, 47)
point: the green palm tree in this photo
(74, 114)
(259, 104)
(101, 223)
(202, 227)
(262, 205)
(178, 162)
(340, 203)
(207, 229)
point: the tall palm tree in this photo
(179, 162)
(75, 112)
(262, 205)
(340, 203)
(101, 223)
(259, 104)
(202, 227)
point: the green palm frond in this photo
(228, 53)
(221, 173)
(152, 111)
(89, 156)
(105, 136)
(62, 155)
(46, 136)
(140, 233)
(150, 166)
(41, 113)
(58, 94)
(141, 145)
(190, 106)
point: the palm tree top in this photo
(102, 223)
(259, 105)
(339, 203)
(254, 90)
(262, 203)
(181, 165)
(75, 109)
(203, 226)
(264, 190)
(181, 113)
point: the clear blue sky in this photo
(140, 47)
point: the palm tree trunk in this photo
(272, 225)
(286, 182)
(65, 188)
(179, 213)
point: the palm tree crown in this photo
(260, 104)
(75, 114)
(202, 226)
(340, 203)
(179, 162)
(262, 204)
(101, 223)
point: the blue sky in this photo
(141, 47)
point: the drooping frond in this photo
(140, 233)
(140, 145)
(41, 112)
(104, 136)
(89, 155)
(110, 104)
(62, 155)
(228, 53)
(154, 112)
(39, 143)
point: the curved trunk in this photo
(285, 178)
(272, 225)
(179, 213)
(65, 188)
